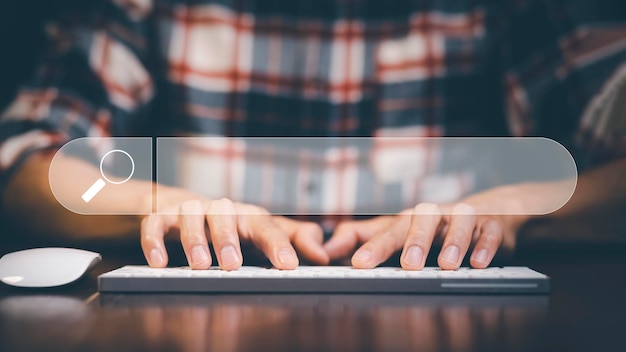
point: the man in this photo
(318, 68)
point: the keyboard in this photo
(325, 279)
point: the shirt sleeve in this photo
(94, 81)
(561, 62)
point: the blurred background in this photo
(22, 33)
(22, 38)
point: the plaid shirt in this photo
(322, 68)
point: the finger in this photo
(419, 238)
(273, 241)
(192, 235)
(490, 239)
(152, 233)
(307, 238)
(381, 246)
(222, 220)
(458, 237)
(348, 234)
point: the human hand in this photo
(457, 226)
(225, 224)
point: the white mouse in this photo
(46, 267)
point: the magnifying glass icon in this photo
(99, 184)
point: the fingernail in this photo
(199, 254)
(451, 254)
(156, 257)
(363, 256)
(285, 256)
(481, 256)
(229, 256)
(414, 256)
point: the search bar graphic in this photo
(318, 176)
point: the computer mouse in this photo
(46, 267)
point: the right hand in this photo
(198, 221)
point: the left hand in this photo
(458, 226)
(197, 221)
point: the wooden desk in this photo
(585, 312)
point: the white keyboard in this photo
(325, 279)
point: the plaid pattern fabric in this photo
(319, 68)
(321, 176)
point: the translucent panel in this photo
(360, 176)
(97, 175)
